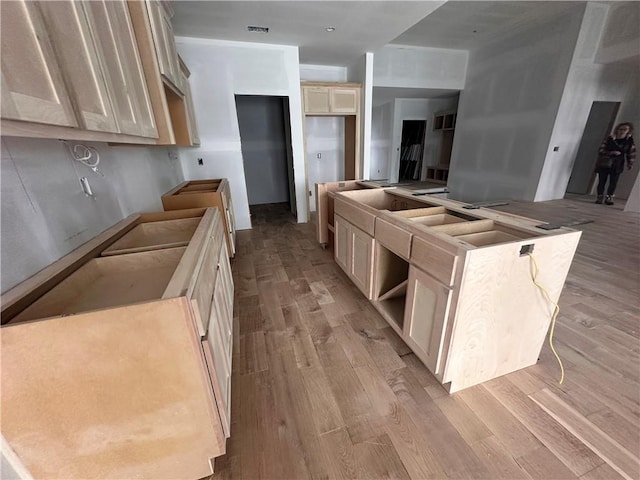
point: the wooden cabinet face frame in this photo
(342, 245)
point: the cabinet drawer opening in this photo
(390, 284)
(200, 186)
(155, 235)
(106, 282)
(384, 200)
(445, 217)
(490, 233)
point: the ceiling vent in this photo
(251, 28)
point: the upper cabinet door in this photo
(164, 43)
(32, 86)
(316, 99)
(191, 114)
(111, 25)
(70, 35)
(344, 100)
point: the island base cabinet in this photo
(425, 323)
(353, 251)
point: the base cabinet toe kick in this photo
(116, 359)
(456, 286)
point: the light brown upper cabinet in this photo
(344, 100)
(117, 42)
(70, 34)
(32, 86)
(188, 99)
(160, 16)
(338, 100)
(93, 81)
(166, 84)
(327, 99)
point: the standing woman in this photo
(614, 152)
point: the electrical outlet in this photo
(200, 162)
(526, 249)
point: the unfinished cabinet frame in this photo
(115, 338)
(92, 82)
(206, 193)
(343, 100)
(456, 284)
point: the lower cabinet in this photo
(353, 251)
(428, 303)
(206, 193)
(116, 360)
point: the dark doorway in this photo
(411, 149)
(599, 125)
(265, 154)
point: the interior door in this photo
(599, 124)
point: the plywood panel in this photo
(502, 317)
(71, 411)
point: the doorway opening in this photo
(411, 149)
(599, 124)
(265, 137)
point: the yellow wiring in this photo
(556, 311)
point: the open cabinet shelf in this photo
(390, 288)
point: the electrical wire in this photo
(556, 311)
(83, 153)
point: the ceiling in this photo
(466, 25)
(360, 26)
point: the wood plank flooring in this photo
(323, 388)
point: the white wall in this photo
(507, 110)
(325, 138)
(587, 81)
(420, 67)
(45, 213)
(633, 203)
(381, 136)
(417, 109)
(630, 112)
(322, 73)
(219, 70)
(362, 71)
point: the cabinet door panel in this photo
(111, 25)
(33, 89)
(191, 113)
(316, 99)
(70, 34)
(164, 43)
(202, 291)
(230, 233)
(174, 64)
(426, 317)
(361, 260)
(344, 100)
(342, 235)
(218, 340)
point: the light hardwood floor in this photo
(323, 388)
